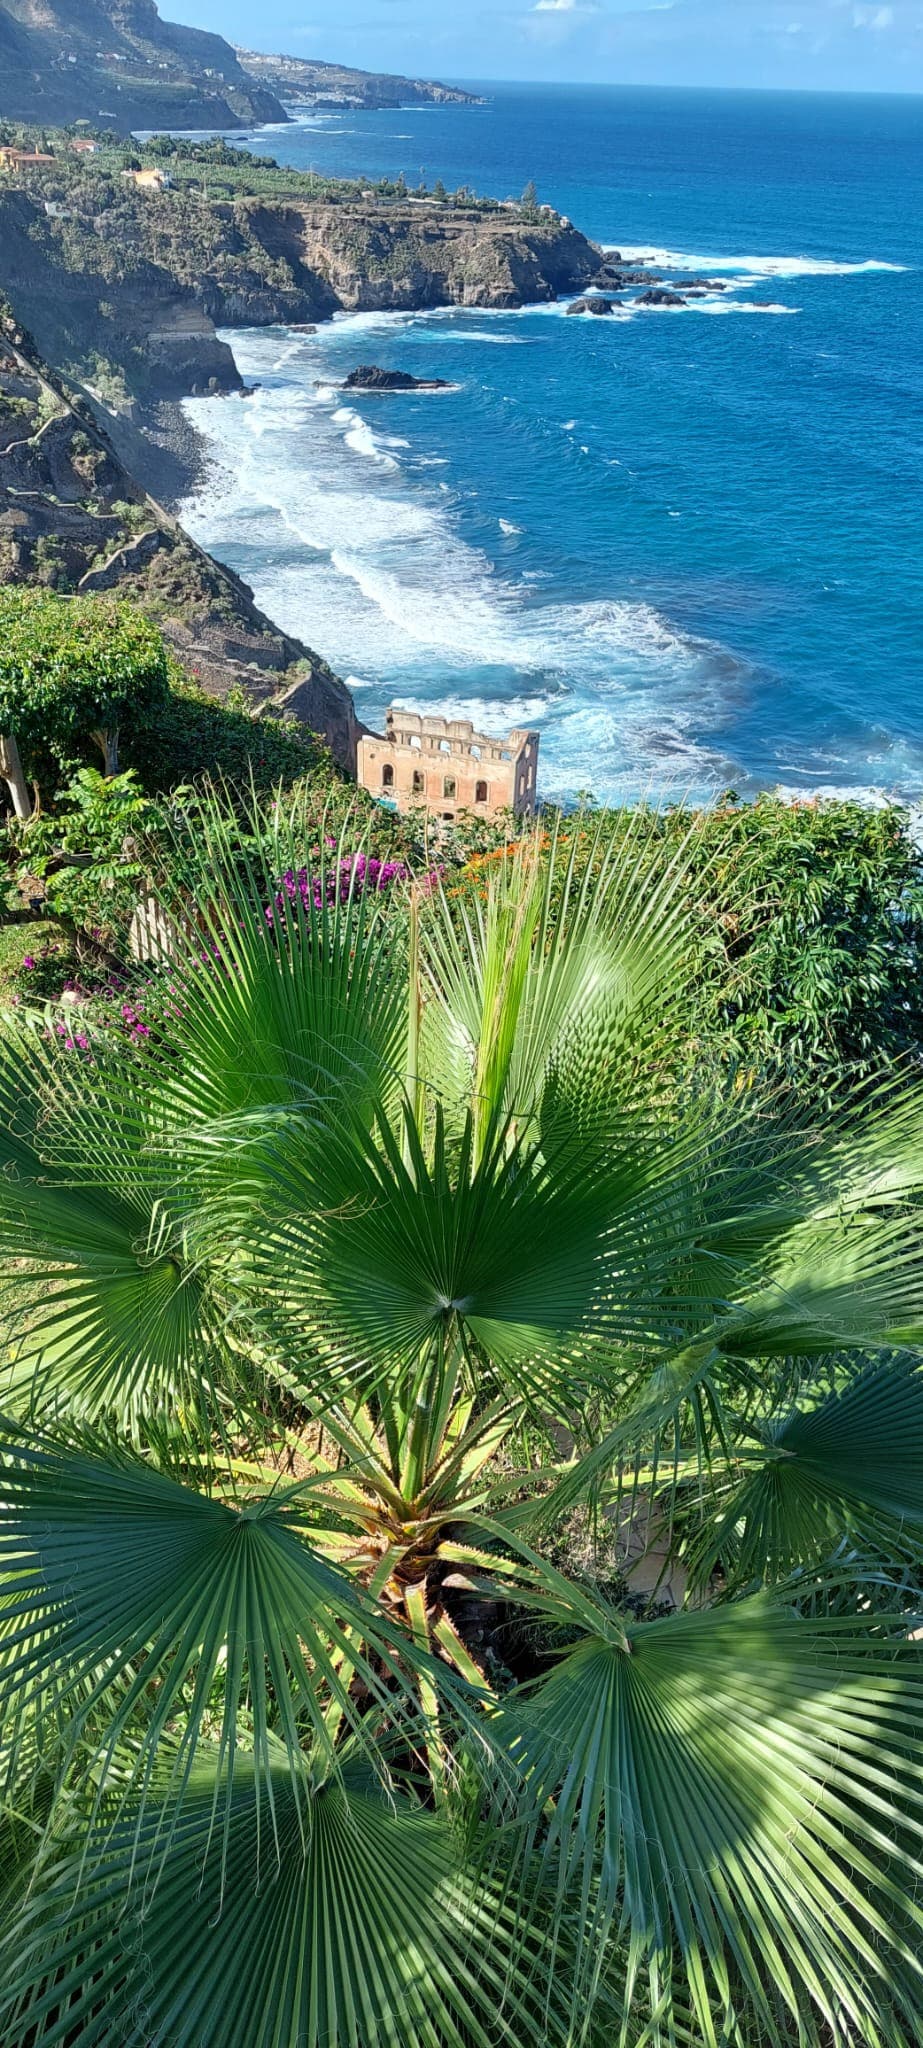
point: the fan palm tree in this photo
(302, 1301)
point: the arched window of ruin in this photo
(476, 751)
(387, 776)
(448, 788)
(480, 792)
(416, 741)
(444, 747)
(419, 782)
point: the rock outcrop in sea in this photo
(660, 297)
(370, 377)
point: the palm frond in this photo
(738, 1791)
(850, 1467)
(287, 983)
(558, 984)
(349, 1924)
(125, 1586)
(106, 1307)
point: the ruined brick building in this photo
(442, 764)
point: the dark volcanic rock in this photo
(370, 378)
(659, 297)
(592, 306)
(701, 284)
(610, 277)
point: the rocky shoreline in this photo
(162, 448)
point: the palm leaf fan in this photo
(107, 1309)
(738, 1792)
(849, 1468)
(349, 1924)
(129, 1591)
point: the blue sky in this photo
(870, 45)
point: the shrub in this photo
(192, 734)
(72, 672)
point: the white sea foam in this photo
(362, 323)
(719, 306)
(362, 440)
(756, 266)
(479, 334)
(508, 526)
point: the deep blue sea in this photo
(686, 543)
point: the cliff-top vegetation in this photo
(212, 168)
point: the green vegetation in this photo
(72, 672)
(85, 679)
(813, 959)
(808, 920)
(84, 676)
(213, 168)
(395, 1236)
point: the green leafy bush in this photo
(73, 671)
(191, 734)
(813, 930)
(806, 949)
(93, 857)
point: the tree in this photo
(299, 1303)
(71, 671)
(530, 197)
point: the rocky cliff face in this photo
(66, 60)
(418, 254)
(71, 517)
(124, 291)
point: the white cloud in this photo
(876, 18)
(555, 7)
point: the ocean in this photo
(683, 543)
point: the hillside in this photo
(73, 519)
(303, 82)
(117, 62)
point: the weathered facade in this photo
(445, 766)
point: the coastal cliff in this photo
(124, 289)
(302, 81)
(73, 519)
(116, 60)
(369, 258)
